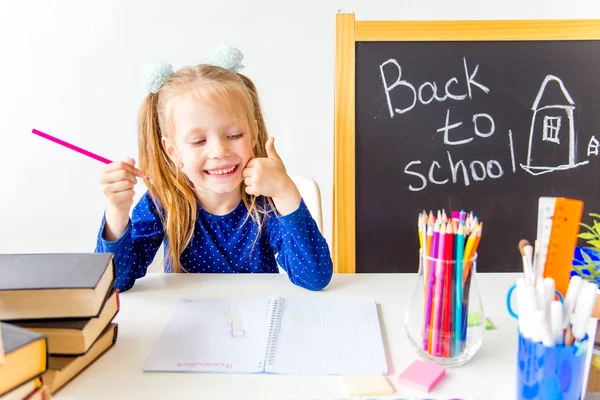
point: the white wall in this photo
(70, 68)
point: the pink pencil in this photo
(447, 294)
(72, 147)
(80, 150)
(429, 303)
(439, 281)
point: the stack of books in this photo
(57, 312)
(25, 360)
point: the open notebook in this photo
(276, 335)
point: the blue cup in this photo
(509, 297)
(550, 373)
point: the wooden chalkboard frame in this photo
(348, 33)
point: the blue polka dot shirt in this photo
(226, 244)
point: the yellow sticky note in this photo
(596, 361)
(367, 385)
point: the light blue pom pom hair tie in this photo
(155, 74)
(226, 57)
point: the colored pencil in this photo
(420, 227)
(465, 310)
(460, 247)
(431, 287)
(448, 271)
(448, 243)
(467, 252)
(71, 146)
(428, 244)
(76, 148)
(473, 251)
(455, 217)
(429, 239)
(439, 282)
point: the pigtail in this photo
(255, 210)
(168, 186)
(262, 135)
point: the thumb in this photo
(270, 147)
(131, 161)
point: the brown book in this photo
(1, 346)
(21, 392)
(71, 285)
(62, 369)
(25, 357)
(74, 336)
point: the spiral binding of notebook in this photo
(272, 330)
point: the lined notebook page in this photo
(328, 337)
(212, 336)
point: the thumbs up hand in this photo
(266, 176)
(271, 152)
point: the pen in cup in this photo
(542, 319)
(571, 298)
(527, 254)
(556, 322)
(583, 309)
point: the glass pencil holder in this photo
(445, 321)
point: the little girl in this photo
(218, 193)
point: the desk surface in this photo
(146, 308)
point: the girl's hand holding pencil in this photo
(118, 180)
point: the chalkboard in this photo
(484, 126)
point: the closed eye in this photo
(199, 142)
(236, 136)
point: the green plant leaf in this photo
(587, 258)
(594, 215)
(578, 270)
(596, 270)
(595, 243)
(588, 227)
(587, 236)
(597, 227)
(593, 269)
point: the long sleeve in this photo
(135, 249)
(301, 249)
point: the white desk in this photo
(146, 308)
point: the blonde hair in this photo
(171, 189)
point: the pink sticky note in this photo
(422, 375)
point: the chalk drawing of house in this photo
(552, 133)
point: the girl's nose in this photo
(219, 149)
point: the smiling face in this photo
(213, 142)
